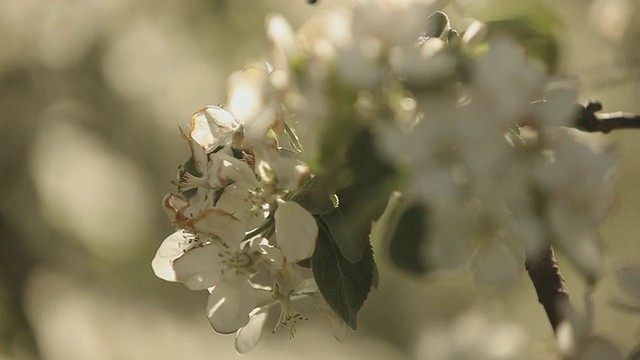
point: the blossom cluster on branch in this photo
(236, 216)
(468, 132)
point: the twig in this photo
(543, 268)
(588, 120)
(550, 285)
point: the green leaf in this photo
(406, 246)
(364, 199)
(349, 242)
(343, 284)
(316, 197)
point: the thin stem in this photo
(550, 285)
(264, 228)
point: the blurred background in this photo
(91, 94)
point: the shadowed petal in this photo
(229, 305)
(296, 230)
(248, 337)
(201, 267)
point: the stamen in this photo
(288, 315)
(189, 181)
(237, 263)
(190, 241)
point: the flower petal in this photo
(170, 249)
(248, 337)
(290, 172)
(200, 267)
(497, 268)
(219, 223)
(197, 151)
(243, 203)
(229, 168)
(229, 305)
(174, 206)
(296, 230)
(212, 126)
(272, 256)
(283, 40)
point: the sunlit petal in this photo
(212, 126)
(282, 38)
(198, 152)
(246, 93)
(170, 249)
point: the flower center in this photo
(237, 263)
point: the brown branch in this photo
(550, 285)
(543, 268)
(588, 120)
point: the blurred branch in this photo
(550, 285)
(20, 98)
(588, 120)
(15, 265)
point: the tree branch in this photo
(550, 285)
(588, 120)
(543, 268)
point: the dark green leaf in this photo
(343, 284)
(316, 197)
(349, 243)
(406, 246)
(306, 263)
(363, 200)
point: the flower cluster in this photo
(497, 165)
(235, 215)
(466, 125)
